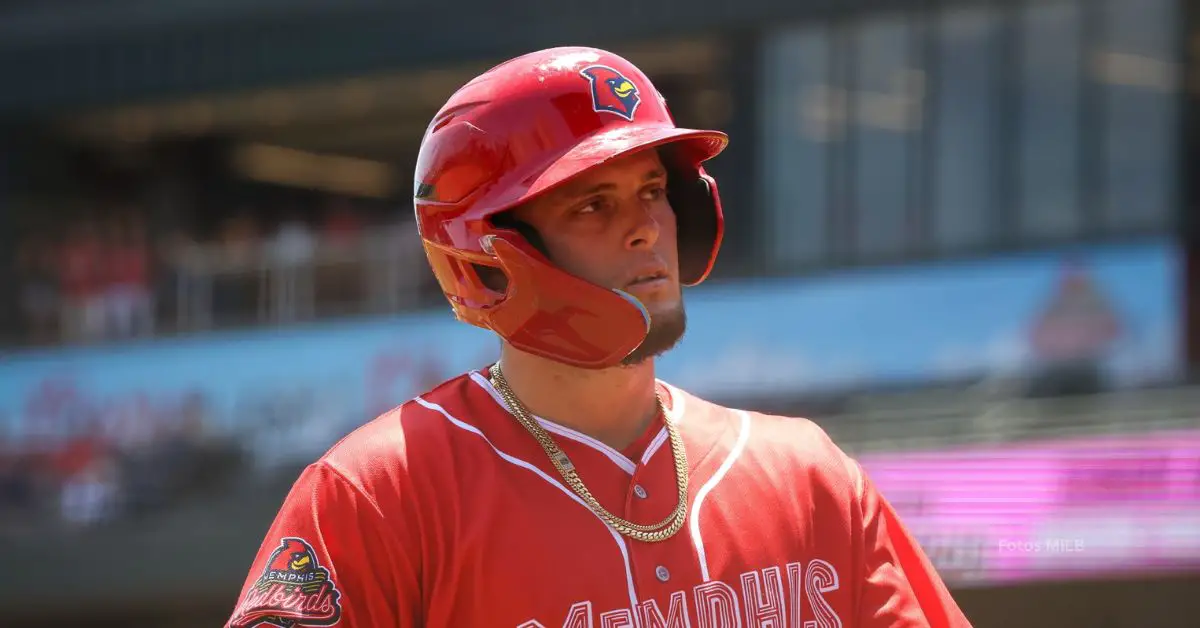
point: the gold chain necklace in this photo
(660, 531)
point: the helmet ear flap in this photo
(491, 277)
(494, 277)
(693, 196)
(542, 314)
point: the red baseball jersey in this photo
(445, 512)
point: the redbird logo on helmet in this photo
(611, 91)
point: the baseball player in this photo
(564, 485)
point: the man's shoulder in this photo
(418, 429)
(794, 429)
(796, 441)
(798, 432)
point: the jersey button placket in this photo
(647, 565)
(662, 573)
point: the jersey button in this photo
(639, 491)
(662, 574)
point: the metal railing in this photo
(947, 418)
(262, 283)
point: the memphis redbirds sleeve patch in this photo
(294, 591)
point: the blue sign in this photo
(1118, 305)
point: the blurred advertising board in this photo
(1116, 305)
(1056, 510)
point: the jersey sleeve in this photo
(329, 560)
(901, 588)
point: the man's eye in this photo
(588, 208)
(654, 194)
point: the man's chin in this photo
(666, 330)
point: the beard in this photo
(666, 329)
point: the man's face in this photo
(613, 226)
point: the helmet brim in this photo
(695, 146)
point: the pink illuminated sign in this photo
(1051, 510)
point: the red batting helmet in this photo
(519, 130)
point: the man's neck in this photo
(614, 406)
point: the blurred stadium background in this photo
(962, 238)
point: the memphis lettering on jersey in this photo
(761, 599)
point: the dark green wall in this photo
(123, 54)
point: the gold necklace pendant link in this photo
(660, 531)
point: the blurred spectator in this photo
(1073, 335)
(292, 253)
(17, 489)
(130, 304)
(393, 256)
(79, 265)
(200, 459)
(239, 237)
(343, 225)
(38, 290)
(341, 279)
(91, 495)
(236, 269)
(186, 281)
